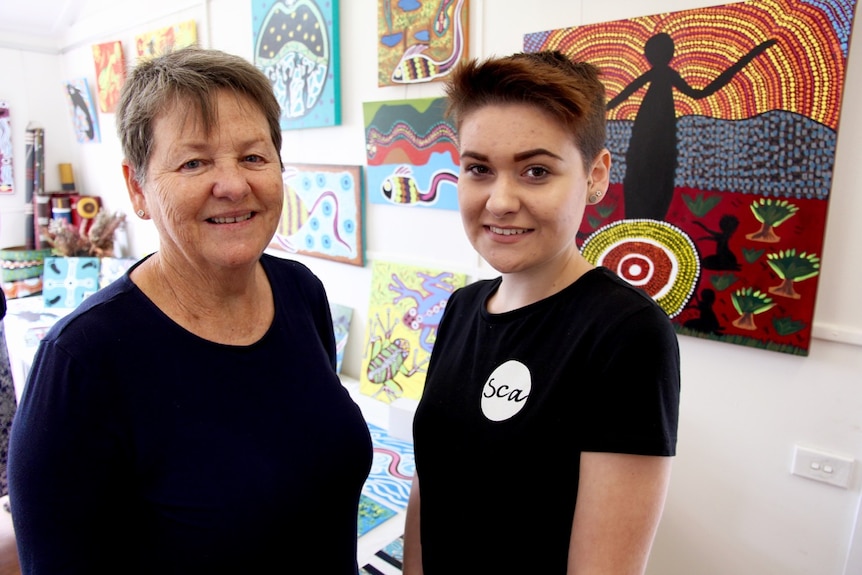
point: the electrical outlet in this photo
(822, 466)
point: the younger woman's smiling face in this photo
(523, 187)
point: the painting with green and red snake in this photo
(722, 126)
(411, 155)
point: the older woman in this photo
(188, 418)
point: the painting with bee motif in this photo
(322, 213)
(296, 46)
(411, 154)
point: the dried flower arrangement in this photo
(70, 241)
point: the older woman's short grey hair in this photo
(191, 77)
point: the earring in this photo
(595, 196)
(141, 213)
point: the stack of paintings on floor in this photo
(384, 495)
(387, 561)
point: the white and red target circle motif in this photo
(653, 255)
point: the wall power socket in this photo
(822, 466)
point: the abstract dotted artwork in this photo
(722, 125)
(322, 213)
(296, 46)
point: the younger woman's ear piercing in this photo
(594, 197)
(141, 213)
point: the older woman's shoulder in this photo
(284, 271)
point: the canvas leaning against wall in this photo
(296, 45)
(406, 306)
(411, 154)
(722, 124)
(322, 215)
(420, 40)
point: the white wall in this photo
(733, 506)
(31, 87)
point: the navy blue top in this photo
(139, 447)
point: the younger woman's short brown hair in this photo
(570, 92)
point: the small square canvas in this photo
(112, 268)
(406, 306)
(163, 40)
(110, 74)
(412, 157)
(341, 316)
(82, 111)
(68, 281)
(420, 41)
(296, 44)
(322, 215)
(7, 182)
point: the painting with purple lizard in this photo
(406, 305)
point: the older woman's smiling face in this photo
(215, 197)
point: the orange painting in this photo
(110, 74)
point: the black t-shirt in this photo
(510, 402)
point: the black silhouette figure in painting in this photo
(723, 258)
(81, 112)
(651, 158)
(707, 321)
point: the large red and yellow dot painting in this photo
(722, 126)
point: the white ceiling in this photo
(36, 21)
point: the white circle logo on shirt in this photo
(506, 391)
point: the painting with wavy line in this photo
(420, 40)
(722, 125)
(412, 159)
(322, 213)
(296, 46)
